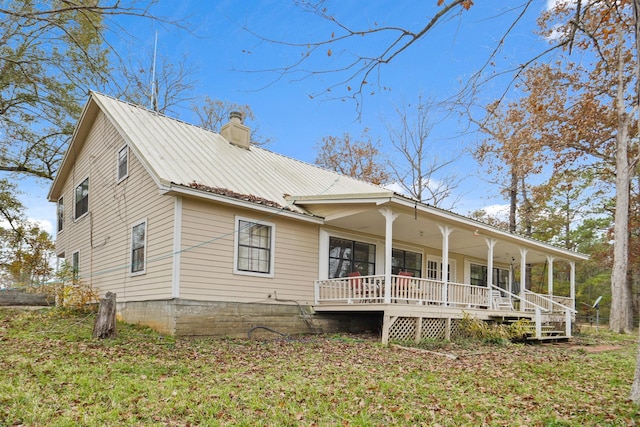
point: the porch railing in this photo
(553, 304)
(404, 289)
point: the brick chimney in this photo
(235, 131)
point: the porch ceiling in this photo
(416, 226)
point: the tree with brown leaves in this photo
(357, 158)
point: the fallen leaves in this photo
(143, 378)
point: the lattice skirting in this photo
(416, 329)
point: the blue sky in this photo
(218, 47)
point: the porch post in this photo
(550, 276)
(389, 217)
(445, 230)
(572, 284)
(523, 277)
(490, 243)
(550, 280)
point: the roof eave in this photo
(490, 230)
(174, 189)
(88, 115)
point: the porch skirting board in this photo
(399, 328)
(193, 318)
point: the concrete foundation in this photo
(192, 318)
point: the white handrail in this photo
(526, 291)
(519, 298)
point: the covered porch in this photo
(438, 305)
(387, 253)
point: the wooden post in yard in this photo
(105, 326)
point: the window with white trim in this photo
(60, 214)
(254, 247)
(139, 247)
(123, 163)
(434, 269)
(82, 199)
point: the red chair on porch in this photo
(356, 284)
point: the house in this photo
(200, 233)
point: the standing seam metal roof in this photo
(178, 152)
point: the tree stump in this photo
(105, 326)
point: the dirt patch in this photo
(594, 348)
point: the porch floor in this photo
(425, 311)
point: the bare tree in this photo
(213, 113)
(419, 169)
(352, 71)
(162, 87)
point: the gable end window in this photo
(123, 163)
(254, 247)
(82, 199)
(60, 214)
(138, 247)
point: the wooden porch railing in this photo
(413, 290)
(404, 289)
(553, 304)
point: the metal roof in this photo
(180, 153)
(181, 156)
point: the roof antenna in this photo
(154, 98)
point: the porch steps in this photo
(549, 338)
(550, 333)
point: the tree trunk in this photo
(513, 200)
(621, 315)
(105, 326)
(635, 387)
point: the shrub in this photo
(71, 292)
(495, 333)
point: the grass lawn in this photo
(53, 373)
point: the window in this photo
(254, 247)
(75, 264)
(123, 163)
(406, 261)
(434, 269)
(478, 276)
(60, 213)
(82, 198)
(346, 256)
(138, 246)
